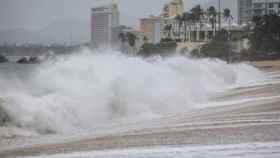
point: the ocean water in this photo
(249, 150)
(81, 91)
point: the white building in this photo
(249, 8)
(262, 7)
(103, 21)
(244, 11)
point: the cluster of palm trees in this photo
(129, 38)
(265, 35)
(193, 21)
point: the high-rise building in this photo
(249, 8)
(104, 20)
(173, 8)
(153, 28)
(244, 11)
(262, 7)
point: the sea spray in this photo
(87, 89)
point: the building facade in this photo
(244, 11)
(103, 21)
(153, 28)
(249, 8)
(262, 7)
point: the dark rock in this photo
(3, 59)
(34, 60)
(31, 60)
(23, 60)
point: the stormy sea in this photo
(106, 92)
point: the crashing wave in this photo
(82, 91)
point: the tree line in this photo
(196, 18)
(265, 36)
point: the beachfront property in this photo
(262, 7)
(153, 28)
(244, 11)
(103, 21)
(247, 9)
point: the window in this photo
(271, 5)
(278, 5)
(257, 12)
(257, 5)
(271, 12)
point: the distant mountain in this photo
(61, 32)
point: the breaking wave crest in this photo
(81, 91)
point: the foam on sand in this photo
(249, 150)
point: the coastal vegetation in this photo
(265, 37)
(165, 48)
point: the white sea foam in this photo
(82, 91)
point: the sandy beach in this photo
(244, 115)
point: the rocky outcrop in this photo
(3, 59)
(34, 60)
(23, 60)
(31, 60)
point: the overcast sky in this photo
(37, 14)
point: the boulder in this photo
(31, 60)
(34, 60)
(23, 60)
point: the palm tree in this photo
(187, 20)
(180, 20)
(145, 39)
(123, 38)
(198, 15)
(131, 39)
(212, 17)
(168, 28)
(228, 18)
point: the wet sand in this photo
(254, 117)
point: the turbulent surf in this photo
(87, 89)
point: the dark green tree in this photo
(212, 18)
(180, 21)
(168, 29)
(198, 16)
(265, 36)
